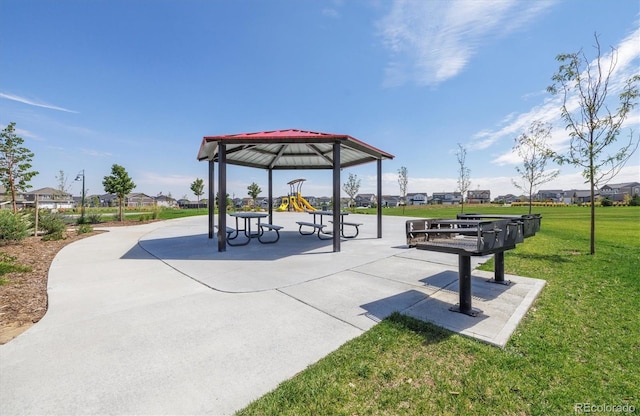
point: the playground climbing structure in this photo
(294, 201)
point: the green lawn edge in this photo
(576, 351)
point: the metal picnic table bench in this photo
(319, 227)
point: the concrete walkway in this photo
(152, 319)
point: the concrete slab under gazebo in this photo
(286, 150)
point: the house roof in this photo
(46, 191)
(289, 149)
(620, 185)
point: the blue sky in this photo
(139, 83)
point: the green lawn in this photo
(580, 342)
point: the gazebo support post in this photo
(222, 198)
(336, 197)
(212, 198)
(270, 210)
(379, 198)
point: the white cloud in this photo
(95, 153)
(34, 103)
(512, 125)
(432, 41)
(330, 12)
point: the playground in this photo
(295, 201)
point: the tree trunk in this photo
(592, 240)
(13, 195)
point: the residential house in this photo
(165, 201)
(391, 200)
(506, 199)
(323, 202)
(549, 195)
(6, 203)
(446, 198)
(48, 198)
(576, 196)
(186, 204)
(617, 191)
(139, 200)
(106, 200)
(417, 199)
(479, 196)
(365, 200)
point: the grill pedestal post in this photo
(498, 270)
(464, 281)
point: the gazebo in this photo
(286, 150)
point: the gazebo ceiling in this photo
(289, 149)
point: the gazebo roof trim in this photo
(289, 149)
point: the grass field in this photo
(577, 348)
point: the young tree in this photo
(532, 149)
(402, 181)
(229, 201)
(15, 163)
(351, 187)
(253, 191)
(464, 181)
(118, 183)
(593, 128)
(63, 188)
(197, 187)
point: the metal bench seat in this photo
(269, 227)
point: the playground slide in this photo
(284, 205)
(295, 205)
(305, 203)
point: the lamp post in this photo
(78, 176)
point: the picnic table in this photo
(318, 227)
(233, 233)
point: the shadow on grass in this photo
(430, 333)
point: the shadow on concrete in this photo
(481, 289)
(419, 305)
(200, 247)
(383, 308)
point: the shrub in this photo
(635, 201)
(13, 227)
(8, 265)
(54, 226)
(94, 218)
(84, 228)
(606, 202)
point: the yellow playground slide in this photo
(298, 204)
(284, 205)
(295, 199)
(294, 204)
(305, 203)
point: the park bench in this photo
(351, 224)
(269, 227)
(316, 228)
(229, 230)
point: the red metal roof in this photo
(290, 133)
(290, 149)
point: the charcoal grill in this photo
(471, 236)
